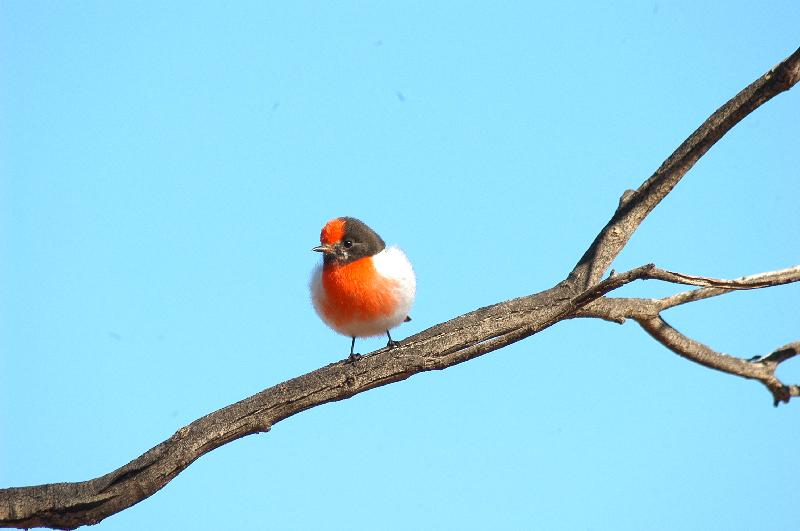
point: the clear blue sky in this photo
(165, 169)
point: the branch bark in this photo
(70, 505)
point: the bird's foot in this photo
(392, 343)
(352, 358)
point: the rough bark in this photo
(581, 294)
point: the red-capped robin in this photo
(362, 288)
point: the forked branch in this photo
(647, 312)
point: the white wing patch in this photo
(393, 264)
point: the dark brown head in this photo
(345, 240)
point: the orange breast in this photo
(356, 292)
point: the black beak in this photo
(323, 249)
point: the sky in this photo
(166, 169)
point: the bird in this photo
(361, 287)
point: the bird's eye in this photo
(347, 243)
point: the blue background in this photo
(165, 169)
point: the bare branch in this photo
(715, 286)
(762, 369)
(69, 505)
(635, 205)
(647, 312)
(617, 309)
(763, 280)
(771, 278)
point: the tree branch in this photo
(771, 278)
(761, 369)
(617, 309)
(635, 205)
(647, 312)
(715, 286)
(69, 505)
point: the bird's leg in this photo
(392, 343)
(353, 357)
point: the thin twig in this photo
(770, 278)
